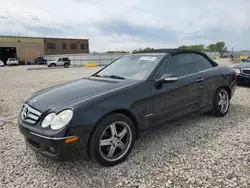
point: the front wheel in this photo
(112, 140)
(221, 102)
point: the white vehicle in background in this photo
(59, 62)
(12, 61)
(1, 63)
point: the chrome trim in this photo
(33, 117)
(171, 79)
(30, 121)
(29, 114)
(51, 138)
(33, 111)
(149, 115)
(243, 69)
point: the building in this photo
(28, 48)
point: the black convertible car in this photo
(243, 71)
(100, 116)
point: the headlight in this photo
(237, 71)
(48, 120)
(61, 119)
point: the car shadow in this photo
(154, 149)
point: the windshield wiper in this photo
(96, 75)
(114, 76)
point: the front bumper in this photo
(12, 63)
(243, 79)
(55, 148)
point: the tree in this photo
(119, 51)
(200, 47)
(217, 47)
(142, 49)
(220, 46)
(212, 48)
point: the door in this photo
(60, 62)
(209, 76)
(181, 97)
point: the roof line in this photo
(44, 37)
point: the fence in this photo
(238, 54)
(100, 59)
(83, 59)
(213, 55)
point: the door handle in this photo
(199, 79)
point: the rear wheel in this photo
(221, 102)
(66, 65)
(112, 140)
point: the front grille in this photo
(246, 71)
(30, 114)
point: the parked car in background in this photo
(12, 61)
(101, 115)
(59, 62)
(1, 63)
(40, 61)
(243, 71)
(224, 55)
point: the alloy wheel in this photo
(115, 141)
(223, 102)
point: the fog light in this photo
(52, 149)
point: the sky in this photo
(130, 24)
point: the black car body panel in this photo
(61, 151)
(65, 95)
(146, 104)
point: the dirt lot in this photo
(194, 152)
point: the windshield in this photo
(12, 59)
(134, 66)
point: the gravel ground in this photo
(194, 152)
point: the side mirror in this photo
(166, 78)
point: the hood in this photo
(242, 65)
(62, 95)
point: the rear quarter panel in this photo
(215, 78)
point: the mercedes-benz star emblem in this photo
(25, 112)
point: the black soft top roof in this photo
(179, 51)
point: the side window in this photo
(60, 59)
(179, 65)
(73, 46)
(202, 63)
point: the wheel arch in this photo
(125, 112)
(228, 89)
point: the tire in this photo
(103, 131)
(66, 65)
(53, 65)
(221, 98)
